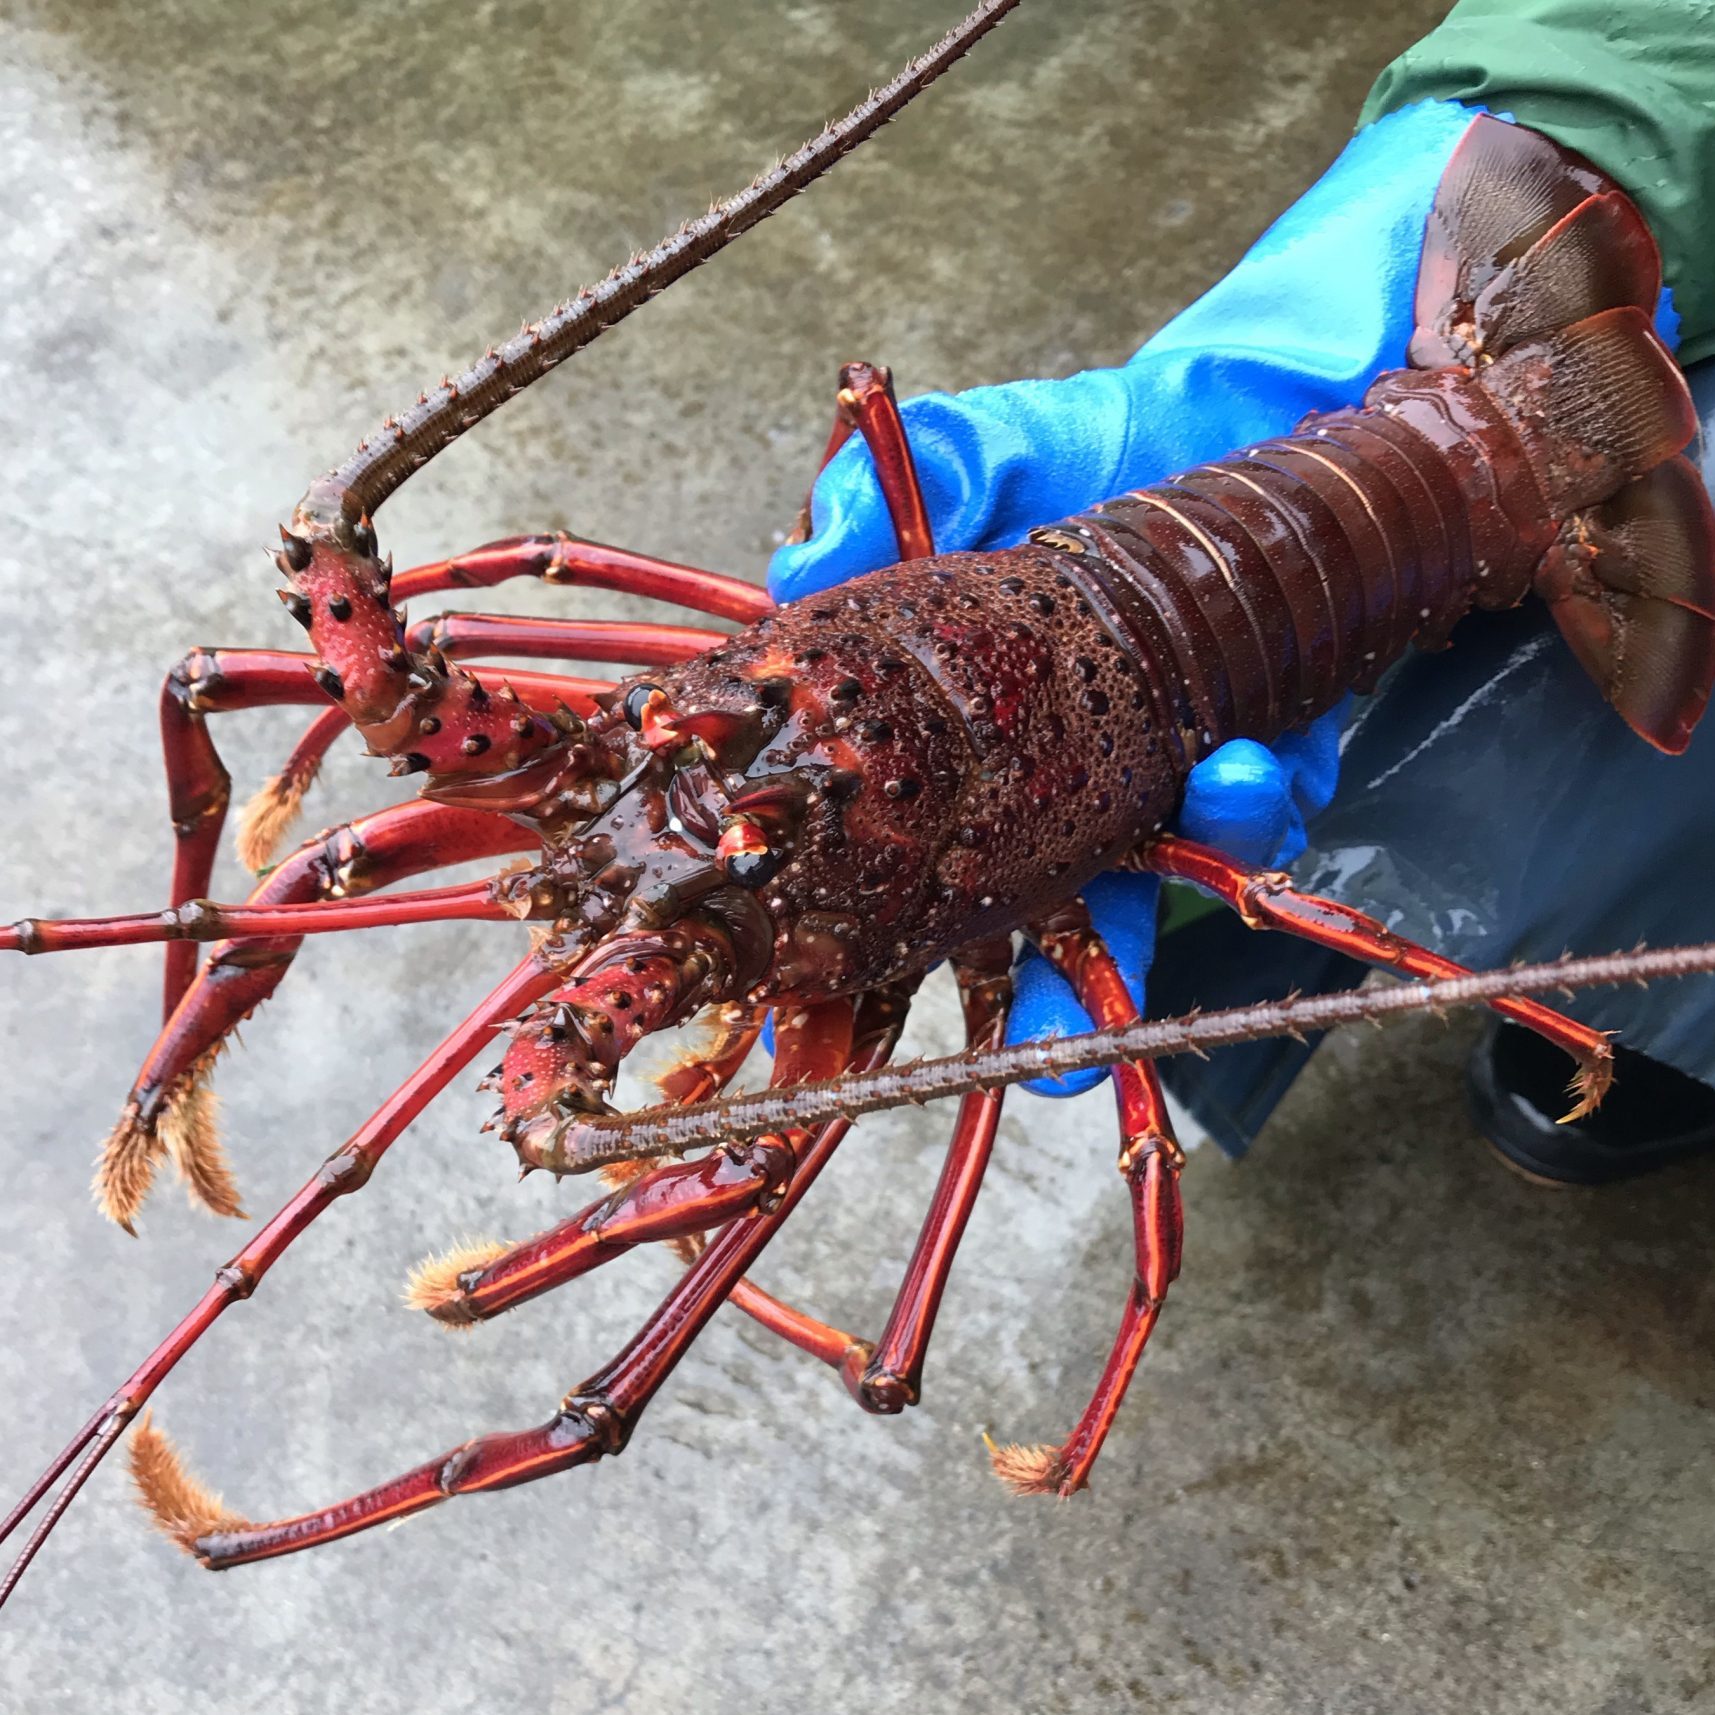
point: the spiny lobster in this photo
(804, 816)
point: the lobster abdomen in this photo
(1539, 452)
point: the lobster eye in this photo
(754, 869)
(636, 700)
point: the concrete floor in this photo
(1414, 1436)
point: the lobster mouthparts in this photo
(839, 796)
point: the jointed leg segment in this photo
(346, 1170)
(891, 1375)
(1266, 899)
(168, 1108)
(1150, 1161)
(595, 1419)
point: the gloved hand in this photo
(1320, 305)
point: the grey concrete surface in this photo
(1414, 1436)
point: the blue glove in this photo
(1320, 305)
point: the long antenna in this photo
(407, 442)
(600, 1139)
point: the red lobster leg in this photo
(886, 1375)
(680, 1200)
(222, 681)
(346, 1170)
(464, 636)
(596, 1418)
(675, 1206)
(169, 1108)
(1266, 899)
(1150, 1160)
(701, 1074)
(205, 682)
(867, 404)
(207, 920)
(677, 1201)
(890, 1377)
(572, 563)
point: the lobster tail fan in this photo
(1596, 404)
(1656, 538)
(1540, 280)
(1601, 256)
(1503, 190)
(1631, 585)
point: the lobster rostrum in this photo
(806, 815)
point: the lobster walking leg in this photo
(702, 1074)
(866, 403)
(595, 1419)
(1150, 1160)
(680, 1200)
(573, 563)
(886, 1375)
(467, 636)
(890, 1377)
(222, 681)
(345, 1171)
(205, 682)
(168, 1109)
(1266, 899)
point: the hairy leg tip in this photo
(181, 1507)
(1038, 1470)
(266, 820)
(125, 1168)
(433, 1285)
(190, 1130)
(1590, 1083)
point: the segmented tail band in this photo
(1534, 445)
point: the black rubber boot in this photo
(1654, 1116)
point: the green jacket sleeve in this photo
(1629, 84)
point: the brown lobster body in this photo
(817, 809)
(1001, 727)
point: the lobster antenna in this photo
(407, 442)
(602, 1139)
